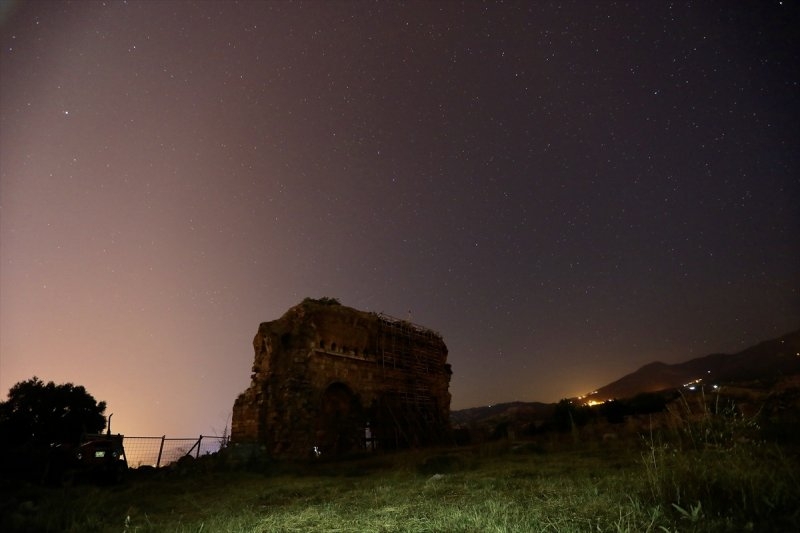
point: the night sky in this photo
(566, 191)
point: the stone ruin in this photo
(333, 380)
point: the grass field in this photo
(700, 474)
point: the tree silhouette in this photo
(40, 414)
(568, 416)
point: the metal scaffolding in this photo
(416, 352)
(408, 346)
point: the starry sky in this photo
(566, 191)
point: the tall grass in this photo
(710, 467)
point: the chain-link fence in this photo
(161, 451)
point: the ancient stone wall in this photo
(335, 379)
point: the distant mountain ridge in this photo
(767, 360)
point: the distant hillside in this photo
(765, 361)
(518, 411)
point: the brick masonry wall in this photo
(323, 373)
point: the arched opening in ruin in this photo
(340, 428)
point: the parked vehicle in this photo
(99, 458)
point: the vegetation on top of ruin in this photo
(325, 300)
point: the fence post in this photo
(197, 443)
(160, 451)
